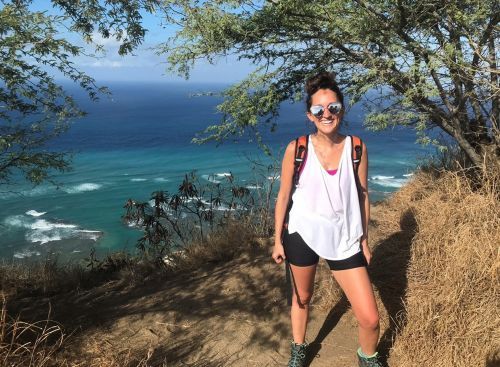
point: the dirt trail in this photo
(231, 314)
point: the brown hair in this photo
(323, 80)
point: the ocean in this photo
(139, 141)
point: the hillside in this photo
(233, 312)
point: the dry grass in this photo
(45, 276)
(453, 293)
(222, 245)
(26, 344)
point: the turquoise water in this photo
(138, 142)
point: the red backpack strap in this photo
(300, 157)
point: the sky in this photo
(145, 65)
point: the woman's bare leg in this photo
(357, 287)
(303, 277)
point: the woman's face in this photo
(327, 123)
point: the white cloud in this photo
(105, 63)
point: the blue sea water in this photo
(137, 142)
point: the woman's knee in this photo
(369, 320)
(302, 298)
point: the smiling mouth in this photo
(326, 122)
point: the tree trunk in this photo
(471, 153)
(495, 98)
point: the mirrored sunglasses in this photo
(318, 110)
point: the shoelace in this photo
(298, 357)
(372, 362)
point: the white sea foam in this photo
(89, 235)
(135, 223)
(34, 213)
(84, 187)
(57, 233)
(230, 209)
(161, 179)
(409, 175)
(43, 225)
(223, 174)
(380, 177)
(44, 237)
(272, 178)
(138, 179)
(168, 210)
(389, 181)
(26, 253)
(253, 187)
(206, 202)
(17, 221)
(210, 178)
(42, 231)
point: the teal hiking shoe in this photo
(364, 361)
(298, 355)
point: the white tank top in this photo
(325, 210)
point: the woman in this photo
(328, 218)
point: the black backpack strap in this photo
(357, 152)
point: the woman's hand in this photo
(366, 250)
(278, 252)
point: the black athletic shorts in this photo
(298, 253)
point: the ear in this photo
(310, 117)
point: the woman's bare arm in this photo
(364, 201)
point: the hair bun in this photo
(322, 80)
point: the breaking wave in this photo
(84, 187)
(389, 181)
(42, 231)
